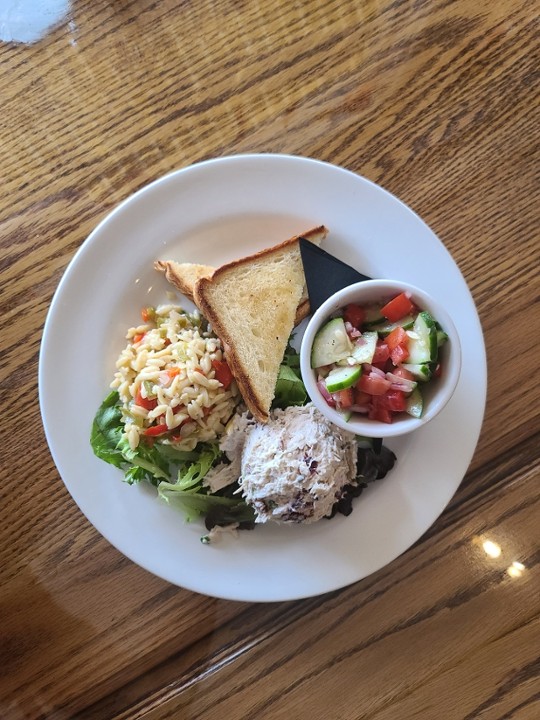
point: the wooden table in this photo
(437, 102)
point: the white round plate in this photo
(211, 213)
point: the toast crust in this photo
(183, 275)
(315, 235)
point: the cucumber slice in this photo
(415, 403)
(421, 371)
(373, 315)
(364, 352)
(423, 340)
(342, 378)
(386, 327)
(331, 344)
(442, 337)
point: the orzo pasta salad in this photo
(172, 380)
(171, 399)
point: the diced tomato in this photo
(382, 353)
(402, 373)
(399, 354)
(394, 400)
(344, 398)
(385, 366)
(154, 430)
(398, 308)
(354, 314)
(147, 403)
(378, 412)
(137, 338)
(398, 336)
(373, 384)
(397, 342)
(222, 373)
(361, 398)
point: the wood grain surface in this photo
(437, 102)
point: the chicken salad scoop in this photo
(292, 469)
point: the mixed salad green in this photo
(179, 474)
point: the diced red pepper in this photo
(137, 338)
(222, 373)
(167, 376)
(172, 372)
(154, 430)
(354, 314)
(147, 403)
(148, 314)
(398, 308)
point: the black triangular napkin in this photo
(325, 274)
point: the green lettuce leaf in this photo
(290, 389)
(152, 466)
(191, 474)
(195, 503)
(151, 462)
(107, 430)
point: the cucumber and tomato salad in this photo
(375, 359)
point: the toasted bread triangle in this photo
(184, 276)
(251, 304)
